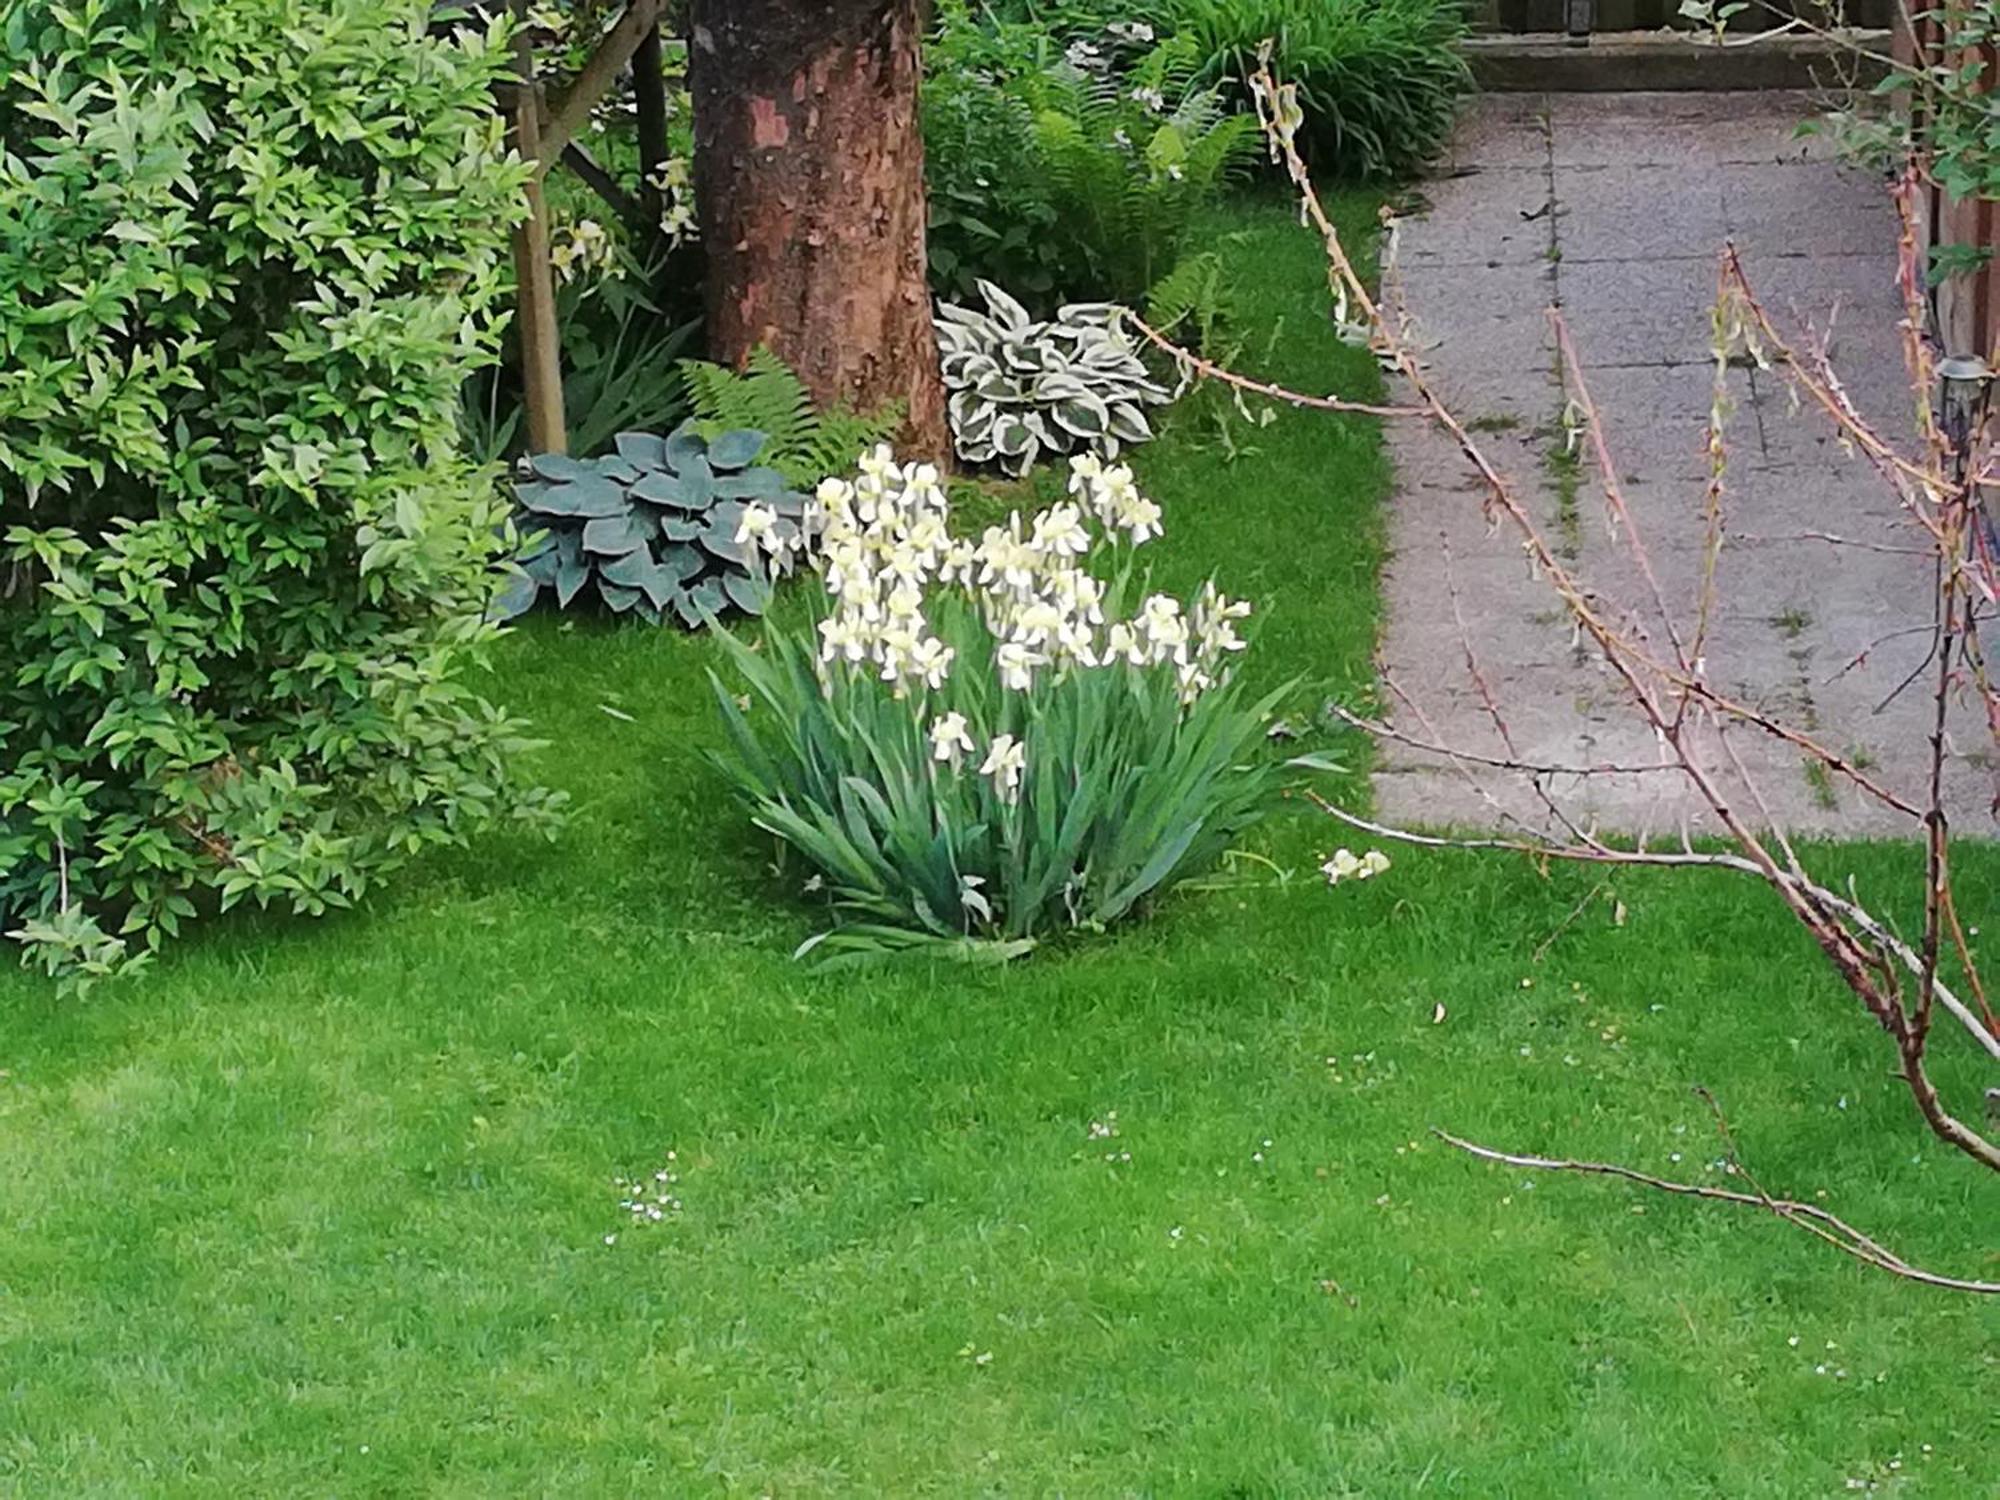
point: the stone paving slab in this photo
(1489, 217)
(1639, 213)
(1615, 206)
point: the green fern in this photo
(802, 442)
(1195, 301)
(1130, 159)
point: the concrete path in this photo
(1614, 206)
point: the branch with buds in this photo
(1902, 984)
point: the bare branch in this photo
(1827, 1226)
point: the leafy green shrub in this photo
(1021, 388)
(1060, 175)
(802, 442)
(1380, 79)
(991, 212)
(248, 255)
(661, 527)
(975, 746)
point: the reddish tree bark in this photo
(809, 182)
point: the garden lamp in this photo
(1965, 383)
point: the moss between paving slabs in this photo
(324, 1207)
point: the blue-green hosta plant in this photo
(975, 745)
(657, 528)
(1021, 387)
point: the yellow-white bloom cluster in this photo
(673, 180)
(587, 248)
(1347, 865)
(884, 542)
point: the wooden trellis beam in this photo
(535, 286)
(546, 134)
(599, 71)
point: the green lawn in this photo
(329, 1208)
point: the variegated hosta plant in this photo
(1022, 388)
(974, 744)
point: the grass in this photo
(323, 1207)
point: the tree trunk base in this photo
(809, 176)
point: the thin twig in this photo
(1843, 1235)
(1209, 370)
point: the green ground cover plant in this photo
(1380, 79)
(341, 1206)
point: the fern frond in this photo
(801, 442)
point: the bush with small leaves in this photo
(251, 252)
(1022, 388)
(666, 527)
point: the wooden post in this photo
(535, 317)
(649, 93)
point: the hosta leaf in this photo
(680, 528)
(618, 597)
(590, 495)
(682, 563)
(662, 488)
(572, 572)
(560, 467)
(720, 541)
(967, 367)
(1128, 423)
(1008, 313)
(642, 448)
(974, 325)
(735, 449)
(1011, 437)
(1086, 418)
(1089, 314)
(708, 597)
(748, 594)
(613, 536)
(683, 443)
(1022, 359)
(631, 571)
(697, 482)
(752, 484)
(542, 568)
(517, 596)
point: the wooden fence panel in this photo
(1965, 308)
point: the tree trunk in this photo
(809, 182)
